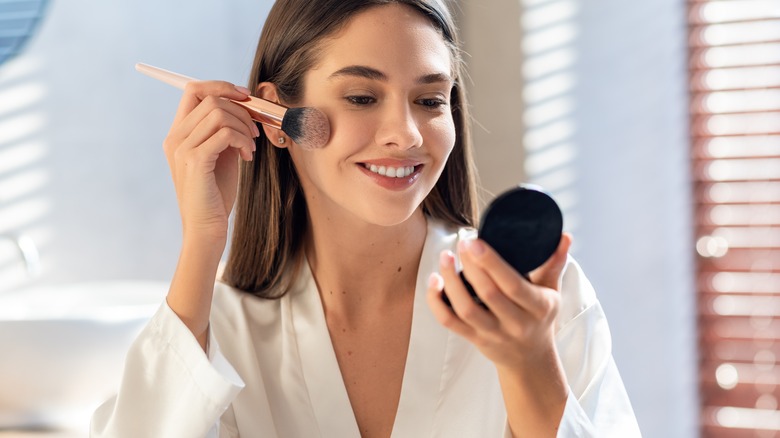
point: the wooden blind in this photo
(735, 121)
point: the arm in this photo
(598, 404)
(516, 334)
(551, 349)
(208, 135)
(169, 387)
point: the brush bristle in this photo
(308, 127)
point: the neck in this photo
(361, 268)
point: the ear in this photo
(277, 137)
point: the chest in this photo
(372, 358)
(297, 383)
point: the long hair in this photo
(270, 217)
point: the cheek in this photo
(440, 135)
(351, 129)
(354, 130)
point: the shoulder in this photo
(577, 293)
(231, 308)
(445, 232)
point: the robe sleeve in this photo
(170, 387)
(597, 405)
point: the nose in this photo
(398, 127)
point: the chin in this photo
(390, 217)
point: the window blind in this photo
(18, 20)
(734, 48)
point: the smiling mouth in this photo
(392, 172)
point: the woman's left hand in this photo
(518, 330)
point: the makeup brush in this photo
(308, 127)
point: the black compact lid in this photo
(524, 226)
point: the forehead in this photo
(387, 37)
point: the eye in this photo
(432, 103)
(360, 100)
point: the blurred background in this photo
(656, 126)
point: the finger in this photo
(196, 91)
(488, 291)
(208, 151)
(508, 280)
(218, 113)
(441, 311)
(215, 120)
(463, 304)
(549, 274)
(206, 120)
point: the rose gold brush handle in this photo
(261, 110)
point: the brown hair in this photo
(270, 218)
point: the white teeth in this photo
(392, 172)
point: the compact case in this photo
(524, 226)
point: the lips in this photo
(392, 174)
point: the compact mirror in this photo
(524, 226)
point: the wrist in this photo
(542, 367)
(192, 285)
(535, 393)
(212, 231)
(204, 242)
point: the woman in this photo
(327, 320)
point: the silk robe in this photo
(271, 371)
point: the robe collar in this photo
(425, 360)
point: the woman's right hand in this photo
(203, 146)
(208, 135)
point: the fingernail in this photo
(446, 258)
(434, 281)
(244, 90)
(476, 247)
(256, 130)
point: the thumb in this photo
(549, 274)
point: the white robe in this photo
(271, 371)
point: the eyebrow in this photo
(362, 71)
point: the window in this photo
(735, 128)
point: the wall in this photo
(83, 170)
(588, 99)
(599, 84)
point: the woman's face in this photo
(384, 82)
